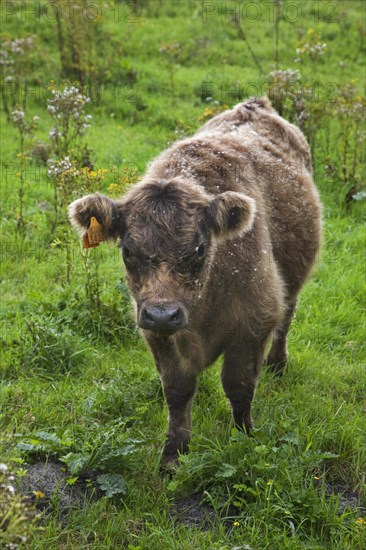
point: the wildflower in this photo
(16, 47)
(236, 524)
(361, 521)
(313, 47)
(13, 57)
(169, 48)
(211, 111)
(54, 134)
(59, 167)
(21, 123)
(38, 494)
(18, 118)
(289, 76)
(68, 106)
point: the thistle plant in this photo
(67, 110)
(69, 177)
(340, 118)
(69, 182)
(290, 97)
(296, 100)
(350, 109)
(24, 129)
(14, 68)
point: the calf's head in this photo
(168, 233)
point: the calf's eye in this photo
(126, 252)
(201, 249)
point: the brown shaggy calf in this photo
(217, 239)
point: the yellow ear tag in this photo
(94, 234)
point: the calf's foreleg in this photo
(179, 390)
(239, 378)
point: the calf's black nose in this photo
(163, 318)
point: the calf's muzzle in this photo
(162, 318)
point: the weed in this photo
(67, 110)
(171, 53)
(15, 68)
(24, 129)
(106, 452)
(16, 516)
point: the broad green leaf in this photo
(112, 484)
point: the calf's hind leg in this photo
(277, 357)
(239, 378)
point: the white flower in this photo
(18, 118)
(54, 134)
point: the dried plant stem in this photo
(21, 222)
(242, 36)
(277, 31)
(92, 284)
(5, 103)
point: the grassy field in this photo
(78, 387)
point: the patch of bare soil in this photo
(348, 500)
(46, 484)
(191, 512)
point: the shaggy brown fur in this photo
(218, 239)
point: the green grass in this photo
(82, 372)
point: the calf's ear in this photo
(105, 210)
(231, 214)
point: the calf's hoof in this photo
(168, 466)
(170, 457)
(276, 363)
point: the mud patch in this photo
(46, 485)
(348, 500)
(191, 512)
